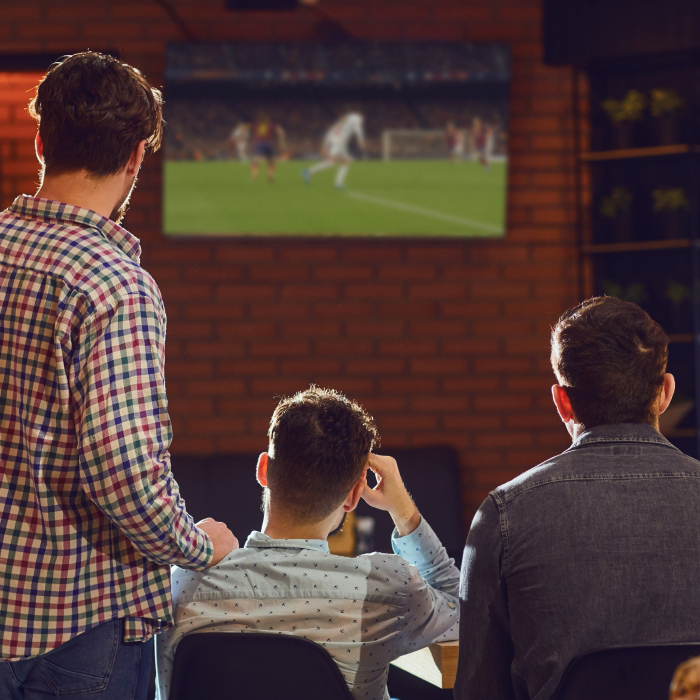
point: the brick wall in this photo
(444, 342)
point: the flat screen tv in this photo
(336, 139)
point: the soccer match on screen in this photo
(353, 139)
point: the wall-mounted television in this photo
(336, 139)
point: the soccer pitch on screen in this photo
(428, 198)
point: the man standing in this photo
(365, 610)
(91, 516)
(599, 545)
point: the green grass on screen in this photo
(382, 198)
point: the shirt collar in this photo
(256, 540)
(51, 210)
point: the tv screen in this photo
(343, 139)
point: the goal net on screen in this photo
(413, 143)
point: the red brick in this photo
(240, 254)
(344, 272)
(214, 425)
(310, 292)
(470, 272)
(227, 330)
(215, 387)
(211, 274)
(472, 421)
(408, 347)
(439, 328)
(310, 329)
(311, 367)
(277, 386)
(409, 309)
(373, 290)
(315, 253)
(342, 309)
(471, 346)
(381, 366)
(502, 365)
(279, 310)
(502, 327)
(468, 309)
(279, 348)
(376, 253)
(375, 329)
(215, 311)
(189, 330)
(245, 292)
(407, 385)
(439, 365)
(214, 348)
(246, 367)
(348, 347)
(407, 271)
(441, 404)
(188, 368)
(504, 439)
(434, 252)
(409, 421)
(502, 403)
(499, 290)
(279, 273)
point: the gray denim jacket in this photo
(598, 546)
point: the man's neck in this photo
(82, 190)
(281, 527)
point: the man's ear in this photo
(666, 392)
(561, 401)
(132, 167)
(39, 148)
(261, 473)
(356, 493)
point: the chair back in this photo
(231, 665)
(620, 673)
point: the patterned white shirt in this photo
(365, 610)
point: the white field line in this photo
(424, 212)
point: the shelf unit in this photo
(638, 189)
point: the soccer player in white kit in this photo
(335, 147)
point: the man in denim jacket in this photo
(598, 546)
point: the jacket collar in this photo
(622, 432)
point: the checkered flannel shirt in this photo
(91, 516)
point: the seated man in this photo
(597, 546)
(366, 610)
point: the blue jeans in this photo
(95, 665)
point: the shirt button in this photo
(451, 605)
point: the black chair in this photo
(242, 666)
(624, 673)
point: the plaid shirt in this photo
(91, 516)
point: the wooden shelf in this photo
(652, 151)
(681, 337)
(632, 246)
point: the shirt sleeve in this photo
(432, 606)
(485, 646)
(123, 431)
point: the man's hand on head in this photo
(390, 494)
(222, 539)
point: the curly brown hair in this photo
(92, 111)
(319, 444)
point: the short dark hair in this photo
(610, 356)
(92, 111)
(319, 444)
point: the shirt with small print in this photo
(91, 516)
(366, 611)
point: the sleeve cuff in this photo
(418, 547)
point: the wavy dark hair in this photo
(610, 356)
(92, 111)
(319, 444)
